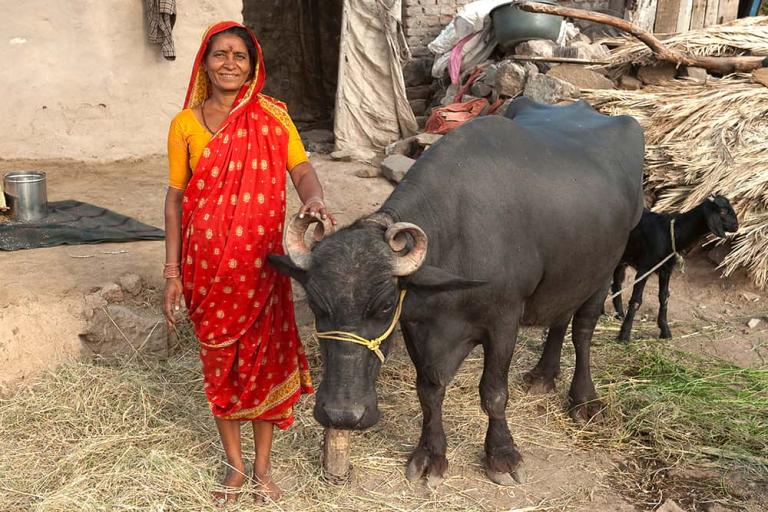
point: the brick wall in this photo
(424, 19)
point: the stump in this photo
(335, 457)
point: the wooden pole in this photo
(721, 65)
(335, 457)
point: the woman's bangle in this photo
(314, 199)
(171, 270)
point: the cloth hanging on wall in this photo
(161, 17)
(372, 109)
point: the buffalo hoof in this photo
(586, 411)
(665, 334)
(517, 476)
(504, 465)
(623, 337)
(537, 384)
(423, 463)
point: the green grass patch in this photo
(683, 405)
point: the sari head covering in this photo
(254, 366)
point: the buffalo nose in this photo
(344, 417)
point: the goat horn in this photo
(293, 238)
(395, 236)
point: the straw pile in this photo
(138, 436)
(746, 36)
(705, 139)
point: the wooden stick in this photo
(564, 60)
(335, 458)
(722, 65)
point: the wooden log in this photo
(335, 456)
(721, 65)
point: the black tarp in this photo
(74, 223)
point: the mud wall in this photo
(82, 82)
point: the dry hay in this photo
(746, 36)
(705, 139)
(139, 436)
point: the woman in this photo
(228, 151)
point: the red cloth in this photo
(254, 365)
(444, 119)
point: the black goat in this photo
(650, 242)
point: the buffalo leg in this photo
(582, 396)
(634, 305)
(541, 379)
(503, 461)
(434, 370)
(664, 276)
(618, 281)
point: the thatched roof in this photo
(746, 36)
(704, 139)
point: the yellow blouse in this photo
(187, 138)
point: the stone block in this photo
(112, 292)
(629, 83)
(510, 78)
(118, 331)
(698, 75)
(581, 77)
(657, 75)
(550, 90)
(130, 283)
(395, 167)
(536, 48)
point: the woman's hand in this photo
(172, 299)
(315, 207)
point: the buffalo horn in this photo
(293, 239)
(395, 236)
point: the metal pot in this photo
(26, 195)
(512, 25)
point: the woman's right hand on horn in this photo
(315, 207)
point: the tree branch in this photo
(721, 65)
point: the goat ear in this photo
(715, 224)
(437, 279)
(284, 265)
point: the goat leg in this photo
(634, 305)
(664, 275)
(618, 281)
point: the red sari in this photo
(254, 366)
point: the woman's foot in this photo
(266, 488)
(230, 488)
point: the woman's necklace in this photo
(202, 111)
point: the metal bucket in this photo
(26, 195)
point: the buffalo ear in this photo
(715, 224)
(437, 279)
(286, 266)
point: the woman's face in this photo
(227, 63)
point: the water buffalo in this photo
(506, 221)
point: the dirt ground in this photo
(40, 319)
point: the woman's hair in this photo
(242, 34)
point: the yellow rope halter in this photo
(372, 345)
